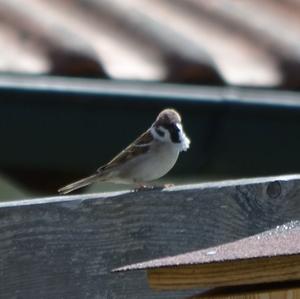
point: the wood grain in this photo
(66, 247)
(232, 273)
(283, 290)
(286, 294)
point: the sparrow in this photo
(149, 157)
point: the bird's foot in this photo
(143, 187)
(168, 185)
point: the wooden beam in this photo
(278, 294)
(231, 273)
(280, 290)
(66, 247)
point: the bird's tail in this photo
(79, 184)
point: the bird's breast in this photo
(154, 164)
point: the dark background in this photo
(80, 80)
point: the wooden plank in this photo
(282, 290)
(66, 247)
(289, 294)
(230, 273)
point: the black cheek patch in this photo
(174, 132)
(160, 132)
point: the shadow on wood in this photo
(270, 290)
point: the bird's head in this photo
(168, 128)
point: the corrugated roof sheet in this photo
(194, 41)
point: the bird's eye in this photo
(160, 132)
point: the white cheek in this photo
(165, 138)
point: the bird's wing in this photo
(136, 148)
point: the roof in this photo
(282, 241)
(246, 42)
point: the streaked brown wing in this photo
(136, 148)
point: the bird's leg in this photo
(168, 185)
(147, 187)
(142, 187)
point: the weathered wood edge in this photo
(200, 186)
(66, 246)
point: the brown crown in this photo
(168, 116)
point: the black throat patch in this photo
(174, 132)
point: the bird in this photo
(152, 155)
